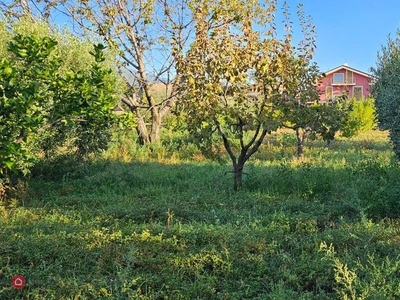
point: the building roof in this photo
(345, 66)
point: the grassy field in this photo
(167, 225)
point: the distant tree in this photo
(386, 89)
(349, 116)
(329, 119)
(36, 98)
(149, 36)
(318, 120)
(239, 79)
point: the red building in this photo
(344, 80)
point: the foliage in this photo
(361, 117)
(329, 118)
(386, 89)
(22, 97)
(74, 51)
(166, 228)
(316, 120)
(350, 116)
(240, 79)
(36, 98)
(148, 37)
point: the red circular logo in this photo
(18, 281)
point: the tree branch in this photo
(257, 144)
(226, 144)
(249, 144)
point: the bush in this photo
(44, 107)
(361, 117)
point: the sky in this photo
(351, 31)
(348, 31)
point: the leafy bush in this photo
(361, 117)
(43, 108)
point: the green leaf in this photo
(9, 164)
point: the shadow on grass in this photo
(202, 192)
(146, 229)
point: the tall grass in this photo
(165, 224)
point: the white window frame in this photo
(334, 81)
(362, 90)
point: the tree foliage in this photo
(39, 102)
(240, 80)
(316, 120)
(349, 116)
(149, 35)
(386, 89)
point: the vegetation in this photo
(360, 117)
(148, 36)
(386, 89)
(315, 120)
(46, 103)
(240, 81)
(162, 222)
(167, 227)
(349, 117)
(152, 37)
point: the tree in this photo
(36, 97)
(149, 36)
(329, 119)
(386, 89)
(238, 79)
(325, 120)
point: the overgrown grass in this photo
(167, 225)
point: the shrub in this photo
(361, 117)
(43, 107)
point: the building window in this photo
(338, 78)
(349, 77)
(329, 93)
(357, 92)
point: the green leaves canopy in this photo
(239, 79)
(386, 89)
(39, 103)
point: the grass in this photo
(168, 226)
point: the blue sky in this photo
(351, 31)
(348, 31)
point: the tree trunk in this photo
(238, 176)
(141, 130)
(156, 122)
(300, 140)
